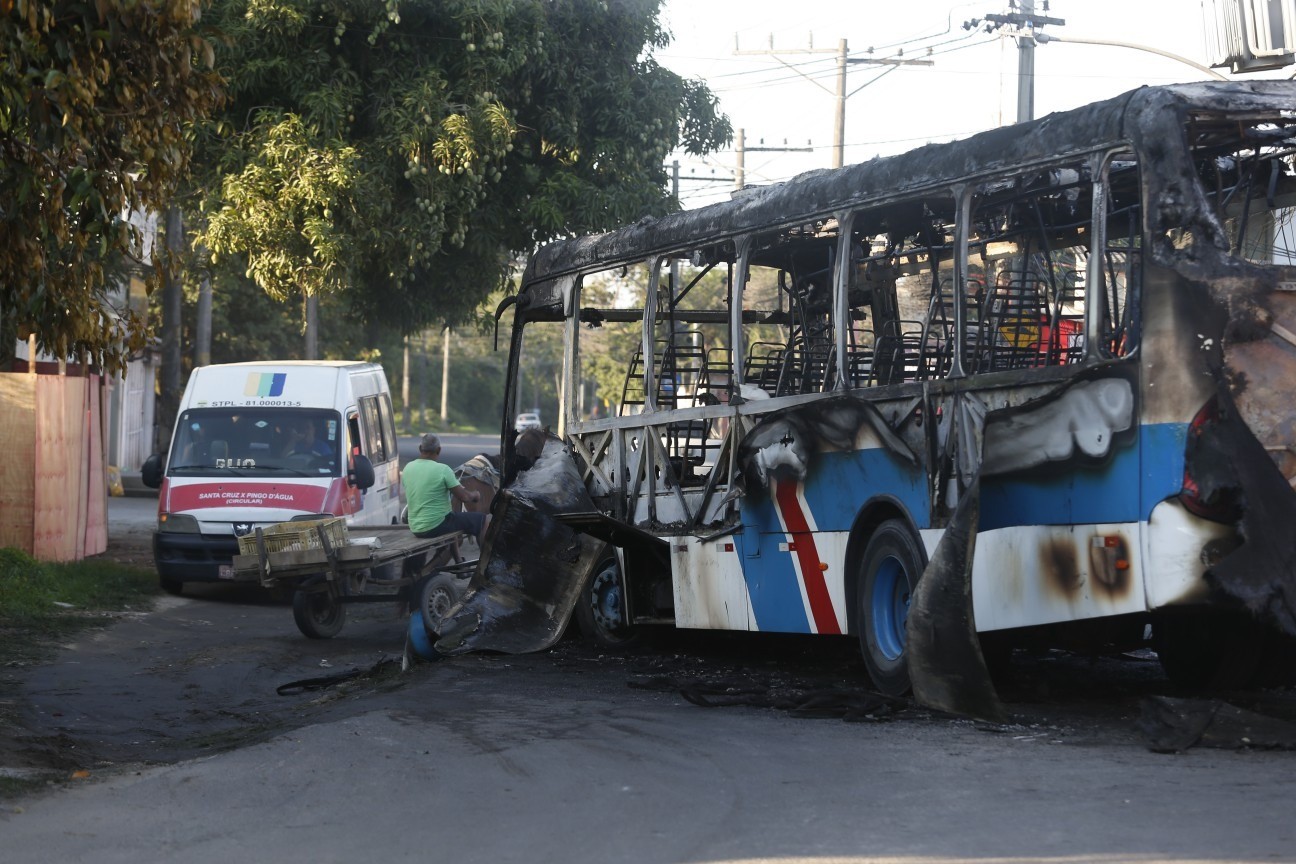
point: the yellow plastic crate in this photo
(291, 536)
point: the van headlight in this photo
(177, 523)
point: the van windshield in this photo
(257, 442)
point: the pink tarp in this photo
(54, 498)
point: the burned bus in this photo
(1040, 379)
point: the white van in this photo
(260, 443)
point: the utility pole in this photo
(839, 118)
(693, 178)
(1026, 68)
(405, 384)
(840, 94)
(445, 377)
(740, 159)
(674, 262)
(1023, 23)
(740, 174)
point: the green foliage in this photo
(399, 153)
(95, 99)
(25, 591)
(29, 589)
(476, 382)
(31, 593)
(246, 325)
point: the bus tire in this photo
(887, 576)
(318, 614)
(600, 608)
(437, 594)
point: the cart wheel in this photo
(318, 613)
(436, 596)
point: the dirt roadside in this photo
(33, 755)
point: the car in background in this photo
(527, 420)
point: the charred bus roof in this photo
(1153, 114)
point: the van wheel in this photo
(170, 585)
(600, 608)
(436, 596)
(318, 612)
(887, 576)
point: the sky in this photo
(788, 99)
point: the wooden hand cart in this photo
(326, 571)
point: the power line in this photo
(1024, 23)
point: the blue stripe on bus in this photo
(1163, 464)
(1124, 487)
(839, 483)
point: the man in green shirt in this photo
(428, 487)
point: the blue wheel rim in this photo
(607, 600)
(418, 636)
(890, 607)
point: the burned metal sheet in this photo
(532, 567)
(1079, 420)
(1239, 316)
(945, 663)
(1229, 463)
(1082, 422)
(784, 442)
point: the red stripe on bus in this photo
(808, 556)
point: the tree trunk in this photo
(203, 329)
(312, 327)
(172, 371)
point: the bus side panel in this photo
(796, 534)
(1042, 574)
(1061, 504)
(1180, 325)
(709, 590)
(1075, 492)
(1176, 545)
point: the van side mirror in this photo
(362, 472)
(151, 471)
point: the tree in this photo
(399, 152)
(95, 99)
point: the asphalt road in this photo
(170, 736)
(570, 755)
(455, 448)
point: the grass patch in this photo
(41, 601)
(14, 787)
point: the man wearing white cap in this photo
(428, 487)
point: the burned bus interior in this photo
(1021, 283)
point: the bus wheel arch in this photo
(867, 521)
(886, 560)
